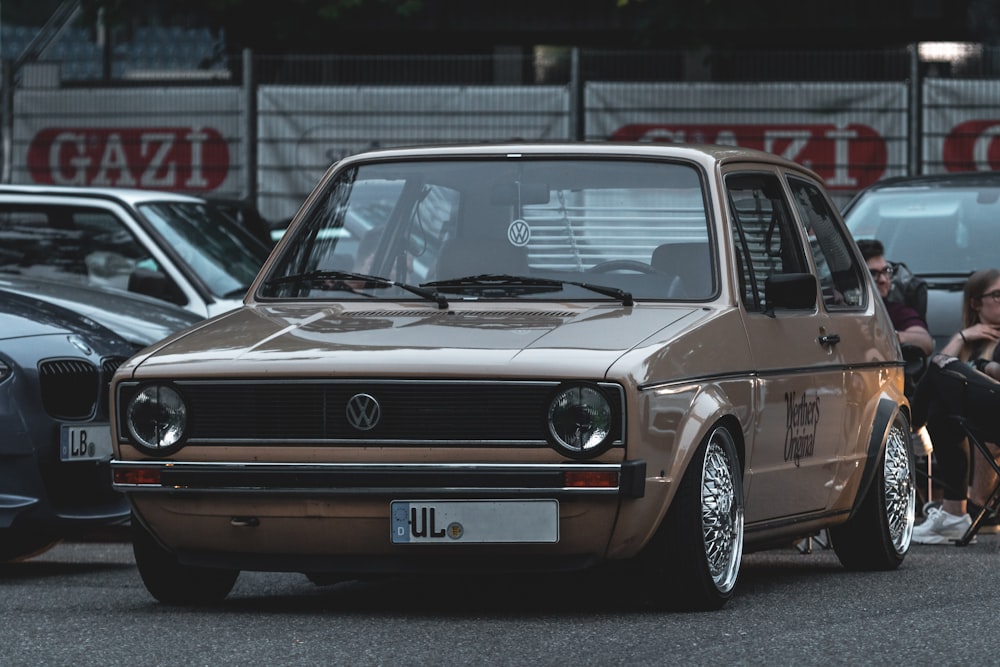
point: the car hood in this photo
(24, 316)
(140, 320)
(396, 340)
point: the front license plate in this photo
(85, 443)
(475, 521)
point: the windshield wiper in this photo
(502, 281)
(368, 280)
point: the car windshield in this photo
(935, 231)
(518, 228)
(217, 251)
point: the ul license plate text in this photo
(85, 443)
(479, 521)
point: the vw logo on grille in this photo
(363, 412)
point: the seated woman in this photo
(972, 353)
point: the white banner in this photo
(961, 125)
(303, 130)
(179, 139)
(850, 134)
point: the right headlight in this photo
(581, 420)
(156, 418)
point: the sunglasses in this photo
(876, 273)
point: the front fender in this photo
(672, 422)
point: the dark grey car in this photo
(943, 227)
(141, 320)
(55, 481)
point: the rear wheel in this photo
(878, 536)
(694, 558)
(171, 582)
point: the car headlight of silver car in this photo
(157, 418)
(581, 420)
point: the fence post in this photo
(6, 119)
(915, 107)
(249, 129)
(576, 110)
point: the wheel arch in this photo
(885, 413)
(710, 407)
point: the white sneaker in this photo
(940, 527)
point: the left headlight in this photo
(156, 418)
(580, 420)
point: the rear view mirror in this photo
(514, 194)
(791, 291)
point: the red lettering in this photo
(161, 158)
(972, 146)
(846, 157)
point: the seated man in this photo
(911, 329)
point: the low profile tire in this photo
(694, 558)
(878, 536)
(172, 583)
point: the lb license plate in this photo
(85, 443)
(474, 521)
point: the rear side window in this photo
(840, 276)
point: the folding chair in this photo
(979, 418)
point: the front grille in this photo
(75, 388)
(70, 387)
(438, 412)
(108, 368)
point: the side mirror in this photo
(791, 291)
(155, 284)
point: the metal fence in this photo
(265, 128)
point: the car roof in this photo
(130, 196)
(962, 179)
(703, 153)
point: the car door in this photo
(800, 386)
(866, 343)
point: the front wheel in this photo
(694, 558)
(171, 582)
(878, 536)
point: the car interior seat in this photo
(461, 257)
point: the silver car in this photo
(169, 246)
(943, 227)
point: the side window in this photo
(111, 254)
(76, 245)
(763, 233)
(839, 275)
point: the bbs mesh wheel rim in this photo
(721, 511)
(900, 493)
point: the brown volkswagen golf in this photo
(528, 357)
